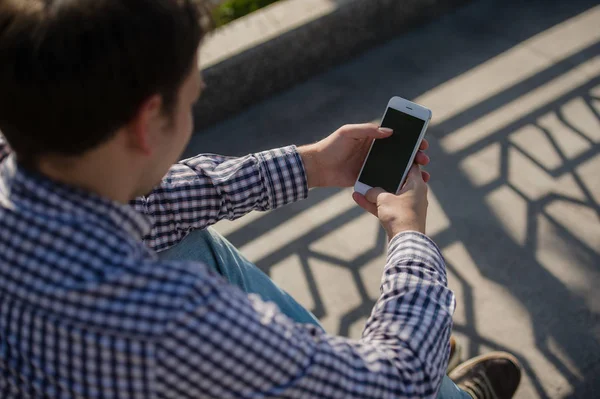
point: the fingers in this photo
(364, 203)
(422, 159)
(424, 145)
(366, 131)
(426, 176)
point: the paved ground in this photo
(515, 199)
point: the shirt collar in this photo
(22, 188)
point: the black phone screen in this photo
(389, 157)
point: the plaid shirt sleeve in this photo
(202, 190)
(225, 344)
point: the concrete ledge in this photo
(287, 42)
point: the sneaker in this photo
(495, 375)
(455, 355)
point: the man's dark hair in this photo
(73, 71)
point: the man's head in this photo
(117, 77)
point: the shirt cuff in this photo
(418, 250)
(285, 178)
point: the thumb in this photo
(366, 131)
(373, 194)
(415, 172)
(413, 179)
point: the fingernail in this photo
(386, 130)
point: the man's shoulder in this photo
(131, 293)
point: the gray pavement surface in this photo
(272, 49)
(515, 195)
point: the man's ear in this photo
(145, 124)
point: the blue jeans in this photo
(209, 247)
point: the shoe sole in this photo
(456, 359)
(490, 355)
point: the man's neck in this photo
(95, 172)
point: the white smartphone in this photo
(390, 159)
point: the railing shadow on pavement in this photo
(556, 313)
(550, 310)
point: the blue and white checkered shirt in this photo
(87, 310)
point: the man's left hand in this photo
(336, 160)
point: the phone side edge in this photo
(414, 154)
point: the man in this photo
(96, 105)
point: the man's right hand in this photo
(406, 211)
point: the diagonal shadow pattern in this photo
(520, 199)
